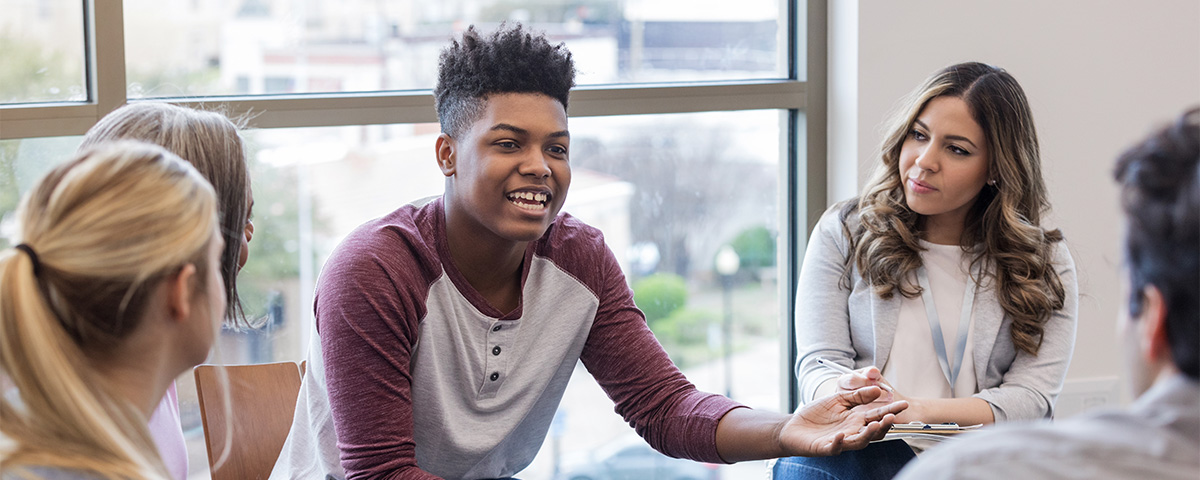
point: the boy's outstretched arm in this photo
(828, 426)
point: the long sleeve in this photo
(649, 391)
(368, 330)
(823, 316)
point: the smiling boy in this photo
(448, 329)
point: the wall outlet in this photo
(1085, 394)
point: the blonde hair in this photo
(106, 229)
(1003, 226)
(211, 143)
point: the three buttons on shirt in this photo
(493, 339)
(495, 352)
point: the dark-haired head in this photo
(1160, 194)
(510, 60)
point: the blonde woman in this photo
(113, 289)
(210, 142)
(940, 280)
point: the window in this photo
(689, 138)
(296, 46)
(43, 49)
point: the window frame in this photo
(801, 98)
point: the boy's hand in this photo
(843, 421)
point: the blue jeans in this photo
(879, 461)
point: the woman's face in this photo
(247, 232)
(943, 160)
(209, 301)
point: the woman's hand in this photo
(847, 420)
(866, 377)
(871, 377)
(963, 411)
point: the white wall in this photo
(1099, 75)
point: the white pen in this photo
(838, 367)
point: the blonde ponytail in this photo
(101, 232)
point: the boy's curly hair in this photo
(1160, 194)
(510, 60)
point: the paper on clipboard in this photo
(928, 433)
(932, 428)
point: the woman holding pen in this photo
(939, 280)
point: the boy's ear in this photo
(179, 293)
(446, 154)
(1152, 327)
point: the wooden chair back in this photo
(262, 401)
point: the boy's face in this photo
(1137, 375)
(508, 173)
(1144, 338)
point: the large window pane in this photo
(185, 47)
(41, 47)
(694, 183)
(22, 163)
(669, 191)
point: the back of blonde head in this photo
(106, 227)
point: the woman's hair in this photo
(96, 237)
(210, 141)
(1002, 228)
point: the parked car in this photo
(632, 459)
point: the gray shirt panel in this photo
(502, 427)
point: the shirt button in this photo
(496, 350)
(496, 328)
(495, 376)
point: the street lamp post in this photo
(727, 264)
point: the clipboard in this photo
(939, 429)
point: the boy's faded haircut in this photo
(510, 60)
(1160, 193)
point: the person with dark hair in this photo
(447, 330)
(940, 277)
(1159, 435)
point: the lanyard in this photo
(935, 326)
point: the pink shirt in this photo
(168, 434)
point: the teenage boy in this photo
(448, 329)
(1158, 437)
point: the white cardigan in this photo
(856, 327)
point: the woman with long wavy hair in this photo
(113, 290)
(939, 280)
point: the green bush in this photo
(659, 295)
(686, 326)
(684, 334)
(756, 247)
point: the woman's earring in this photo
(992, 182)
